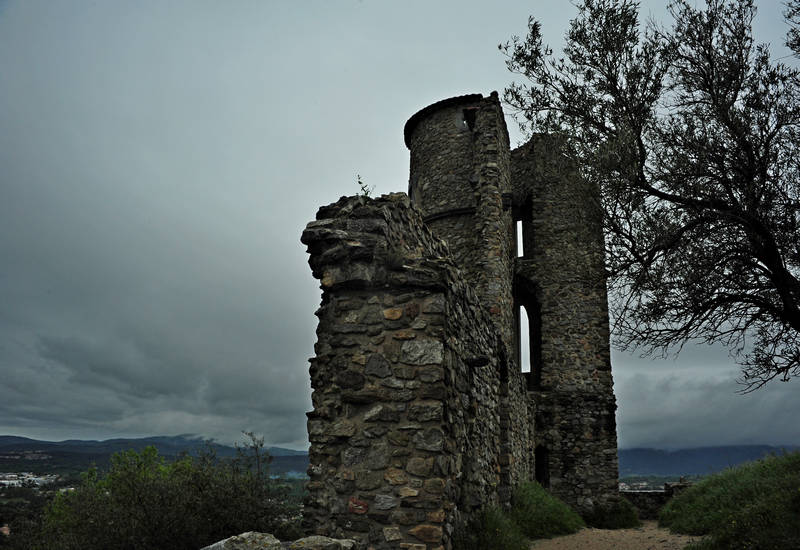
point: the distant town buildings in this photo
(25, 479)
(25, 455)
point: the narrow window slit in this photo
(469, 117)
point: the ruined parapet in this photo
(460, 180)
(560, 280)
(406, 431)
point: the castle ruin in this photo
(422, 414)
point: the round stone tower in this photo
(472, 190)
(460, 178)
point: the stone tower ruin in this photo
(422, 414)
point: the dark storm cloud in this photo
(158, 162)
(151, 281)
(696, 401)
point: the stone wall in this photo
(414, 401)
(560, 280)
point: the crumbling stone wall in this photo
(422, 415)
(410, 380)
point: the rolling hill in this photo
(24, 454)
(694, 461)
(72, 455)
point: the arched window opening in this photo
(524, 341)
(530, 341)
(519, 240)
(528, 332)
(541, 460)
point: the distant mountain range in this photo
(695, 461)
(21, 453)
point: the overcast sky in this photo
(158, 162)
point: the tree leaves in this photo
(690, 135)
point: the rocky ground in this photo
(647, 537)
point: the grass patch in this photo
(540, 515)
(617, 514)
(755, 505)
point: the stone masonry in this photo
(421, 414)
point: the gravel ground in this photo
(647, 537)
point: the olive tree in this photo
(690, 133)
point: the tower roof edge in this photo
(416, 117)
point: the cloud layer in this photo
(159, 161)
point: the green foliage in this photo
(534, 514)
(690, 134)
(366, 190)
(540, 515)
(755, 505)
(145, 502)
(617, 514)
(492, 530)
(21, 508)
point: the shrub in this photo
(147, 503)
(618, 513)
(492, 530)
(755, 505)
(541, 515)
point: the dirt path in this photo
(647, 537)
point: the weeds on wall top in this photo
(366, 190)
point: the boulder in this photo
(265, 541)
(317, 542)
(247, 541)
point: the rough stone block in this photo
(350, 379)
(431, 439)
(422, 352)
(377, 365)
(385, 502)
(317, 542)
(247, 541)
(407, 492)
(382, 413)
(430, 374)
(406, 373)
(434, 485)
(367, 481)
(407, 516)
(392, 533)
(393, 313)
(420, 466)
(398, 437)
(425, 411)
(427, 533)
(343, 428)
(356, 506)
(395, 476)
